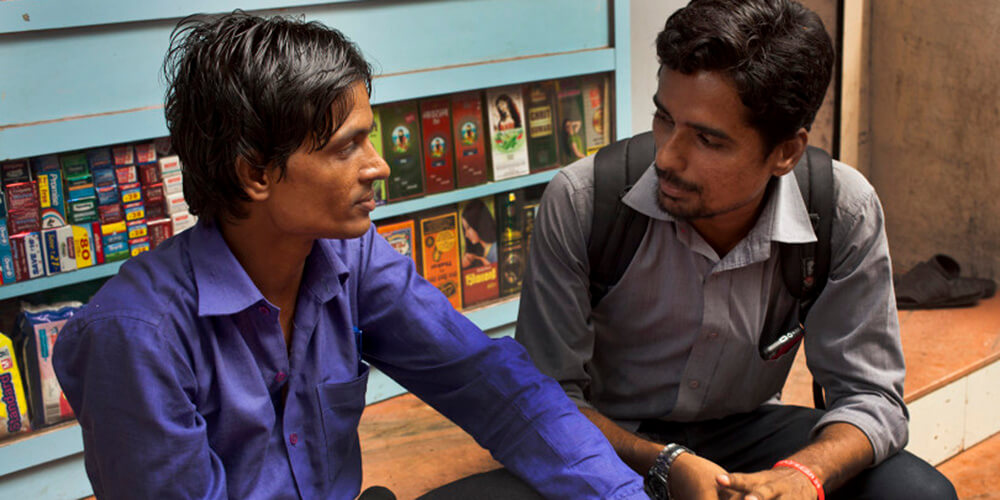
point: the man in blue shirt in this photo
(232, 361)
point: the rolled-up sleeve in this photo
(853, 345)
(489, 387)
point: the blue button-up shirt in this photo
(176, 370)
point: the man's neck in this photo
(723, 232)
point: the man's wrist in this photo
(657, 481)
(805, 471)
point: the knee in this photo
(901, 477)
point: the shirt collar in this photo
(225, 288)
(793, 226)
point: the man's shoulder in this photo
(576, 177)
(854, 194)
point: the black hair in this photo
(243, 86)
(511, 108)
(478, 216)
(777, 53)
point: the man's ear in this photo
(256, 181)
(786, 154)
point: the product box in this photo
(82, 211)
(126, 174)
(471, 166)
(14, 410)
(104, 177)
(50, 195)
(596, 112)
(134, 211)
(14, 172)
(114, 239)
(402, 236)
(131, 193)
(173, 183)
(84, 246)
(508, 138)
(137, 229)
(169, 165)
(38, 331)
(6, 257)
(108, 195)
(99, 159)
(75, 165)
(479, 251)
(176, 203)
(182, 221)
(21, 197)
(145, 153)
(149, 173)
(543, 143)
(138, 246)
(439, 165)
(572, 134)
(510, 241)
(401, 143)
(440, 257)
(123, 155)
(159, 231)
(532, 198)
(60, 252)
(29, 258)
(109, 214)
(155, 201)
(80, 188)
(375, 137)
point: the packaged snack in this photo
(14, 410)
(38, 330)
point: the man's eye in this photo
(709, 142)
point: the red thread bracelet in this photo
(792, 464)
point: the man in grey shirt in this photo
(670, 355)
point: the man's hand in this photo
(693, 477)
(780, 482)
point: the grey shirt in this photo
(676, 339)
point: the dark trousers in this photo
(754, 441)
(747, 442)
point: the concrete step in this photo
(976, 472)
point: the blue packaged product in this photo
(99, 158)
(104, 176)
(38, 330)
(107, 195)
(50, 197)
(60, 255)
(6, 257)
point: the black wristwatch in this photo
(657, 484)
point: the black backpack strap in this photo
(616, 229)
(806, 267)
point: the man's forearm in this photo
(636, 452)
(838, 453)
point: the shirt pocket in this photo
(341, 404)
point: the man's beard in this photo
(696, 212)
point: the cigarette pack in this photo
(440, 254)
(471, 155)
(108, 214)
(479, 251)
(176, 203)
(149, 173)
(543, 146)
(38, 331)
(439, 164)
(29, 258)
(508, 137)
(107, 195)
(126, 174)
(60, 252)
(80, 187)
(375, 137)
(159, 231)
(75, 165)
(99, 158)
(145, 153)
(82, 211)
(83, 245)
(14, 410)
(14, 172)
(173, 183)
(169, 165)
(181, 221)
(131, 193)
(104, 176)
(123, 155)
(401, 142)
(6, 258)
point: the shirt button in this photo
(694, 384)
(280, 377)
(293, 438)
(264, 310)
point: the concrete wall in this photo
(935, 129)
